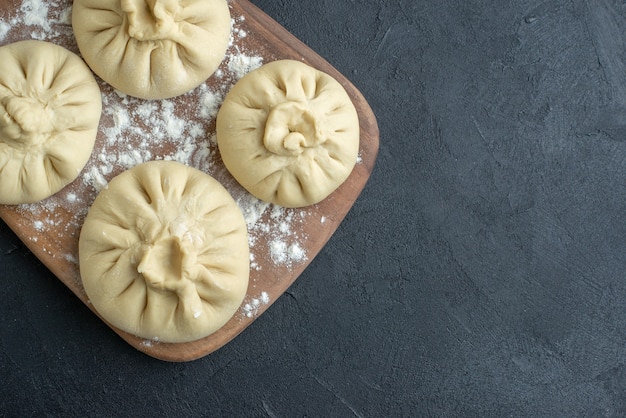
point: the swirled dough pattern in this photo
(50, 106)
(288, 133)
(164, 253)
(152, 49)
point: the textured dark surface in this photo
(481, 272)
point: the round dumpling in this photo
(288, 133)
(50, 107)
(164, 253)
(152, 49)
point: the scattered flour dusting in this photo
(35, 13)
(253, 263)
(95, 179)
(296, 253)
(138, 131)
(281, 228)
(252, 209)
(65, 16)
(150, 342)
(278, 251)
(241, 64)
(251, 308)
(283, 253)
(210, 102)
(4, 29)
(46, 20)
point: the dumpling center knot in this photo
(24, 122)
(151, 20)
(292, 127)
(165, 265)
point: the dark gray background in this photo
(481, 272)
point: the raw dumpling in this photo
(152, 49)
(164, 253)
(288, 133)
(50, 106)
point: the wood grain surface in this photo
(51, 230)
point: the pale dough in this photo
(164, 253)
(288, 133)
(50, 106)
(152, 49)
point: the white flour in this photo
(252, 307)
(240, 64)
(4, 29)
(46, 20)
(35, 13)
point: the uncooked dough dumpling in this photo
(164, 253)
(288, 133)
(152, 49)
(50, 106)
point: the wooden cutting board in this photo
(283, 241)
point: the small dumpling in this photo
(288, 133)
(164, 253)
(50, 107)
(152, 49)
